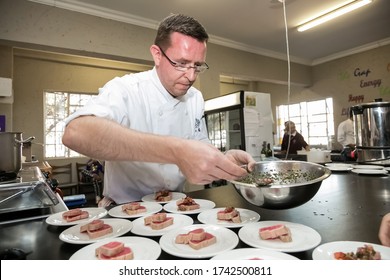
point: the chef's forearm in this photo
(106, 140)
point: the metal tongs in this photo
(259, 182)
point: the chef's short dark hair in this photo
(182, 24)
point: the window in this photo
(314, 120)
(58, 106)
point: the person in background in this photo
(149, 127)
(346, 137)
(297, 142)
(384, 230)
(94, 171)
(345, 132)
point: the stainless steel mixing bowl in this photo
(294, 183)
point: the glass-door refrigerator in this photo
(240, 120)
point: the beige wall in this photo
(337, 79)
(36, 72)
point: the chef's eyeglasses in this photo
(183, 67)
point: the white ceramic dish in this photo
(303, 237)
(210, 217)
(370, 171)
(151, 207)
(339, 166)
(94, 213)
(203, 203)
(179, 221)
(253, 254)
(175, 196)
(226, 240)
(326, 251)
(143, 248)
(367, 166)
(74, 236)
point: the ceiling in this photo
(258, 26)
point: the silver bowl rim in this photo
(327, 173)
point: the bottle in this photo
(268, 152)
(263, 152)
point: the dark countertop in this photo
(348, 206)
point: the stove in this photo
(27, 195)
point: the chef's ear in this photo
(156, 54)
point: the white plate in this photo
(74, 236)
(326, 251)
(94, 213)
(175, 196)
(203, 203)
(151, 207)
(226, 240)
(253, 254)
(178, 221)
(367, 166)
(210, 217)
(143, 248)
(303, 237)
(338, 166)
(369, 171)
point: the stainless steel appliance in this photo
(240, 120)
(11, 144)
(372, 132)
(28, 196)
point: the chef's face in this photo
(185, 50)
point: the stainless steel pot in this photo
(11, 144)
(372, 132)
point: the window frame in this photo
(302, 115)
(55, 125)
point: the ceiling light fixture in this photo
(333, 14)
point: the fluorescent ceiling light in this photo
(333, 14)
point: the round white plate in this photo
(369, 171)
(338, 166)
(143, 248)
(74, 236)
(367, 166)
(179, 220)
(326, 251)
(210, 217)
(94, 213)
(175, 196)
(253, 254)
(203, 203)
(226, 240)
(151, 207)
(303, 237)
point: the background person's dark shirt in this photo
(297, 143)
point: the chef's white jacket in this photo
(140, 102)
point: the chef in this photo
(149, 127)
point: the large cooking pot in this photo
(11, 144)
(372, 132)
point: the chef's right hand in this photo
(202, 163)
